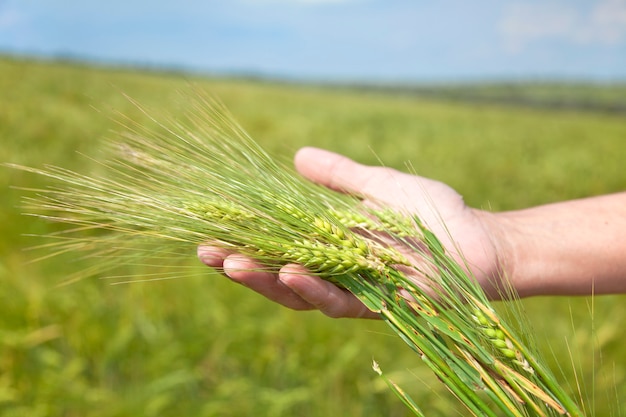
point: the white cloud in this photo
(602, 22)
(295, 2)
(321, 1)
(9, 18)
(608, 22)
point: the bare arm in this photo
(576, 247)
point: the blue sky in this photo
(359, 40)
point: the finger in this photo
(212, 256)
(341, 173)
(404, 192)
(254, 276)
(326, 297)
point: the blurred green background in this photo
(200, 345)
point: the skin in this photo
(574, 247)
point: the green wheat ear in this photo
(203, 179)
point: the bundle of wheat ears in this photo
(203, 179)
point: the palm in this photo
(461, 229)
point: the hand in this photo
(460, 228)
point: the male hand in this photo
(461, 229)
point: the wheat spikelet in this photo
(187, 182)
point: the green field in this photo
(200, 345)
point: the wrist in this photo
(511, 277)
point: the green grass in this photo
(598, 97)
(202, 346)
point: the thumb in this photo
(335, 171)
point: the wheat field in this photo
(200, 345)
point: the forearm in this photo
(576, 247)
